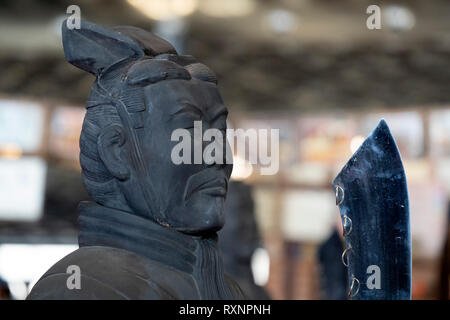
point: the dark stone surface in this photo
(333, 274)
(151, 231)
(444, 268)
(240, 237)
(372, 193)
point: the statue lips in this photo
(211, 181)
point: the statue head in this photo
(143, 92)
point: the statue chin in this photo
(204, 210)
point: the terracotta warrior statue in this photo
(239, 239)
(151, 231)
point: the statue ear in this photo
(110, 148)
(94, 48)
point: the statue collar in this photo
(197, 256)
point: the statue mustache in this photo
(211, 177)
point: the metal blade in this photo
(372, 196)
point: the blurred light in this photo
(19, 290)
(184, 7)
(26, 263)
(165, 9)
(57, 23)
(242, 169)
(10, 151)
(281, 20)
(172, 30)
(227, 8)
(170, 27)
(356, 142)
(399, 18)
(260, 265)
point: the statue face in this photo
(187, 197)
(190, 197)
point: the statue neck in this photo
(197, 256)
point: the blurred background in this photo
(312, 69)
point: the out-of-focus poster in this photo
(264, 207)
(428, 210)
(275, 145)
(22, 188)
(440, 133)
(65, 128)
(442, 172)
(309, 173)
(325, 139)
(308, 215)
(21, 125)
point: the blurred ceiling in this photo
(269, 55)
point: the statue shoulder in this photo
(106, 273)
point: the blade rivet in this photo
(339, 193)
(347, 225)
(344, 254)
(352, 286)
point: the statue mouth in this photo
(210, 181)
